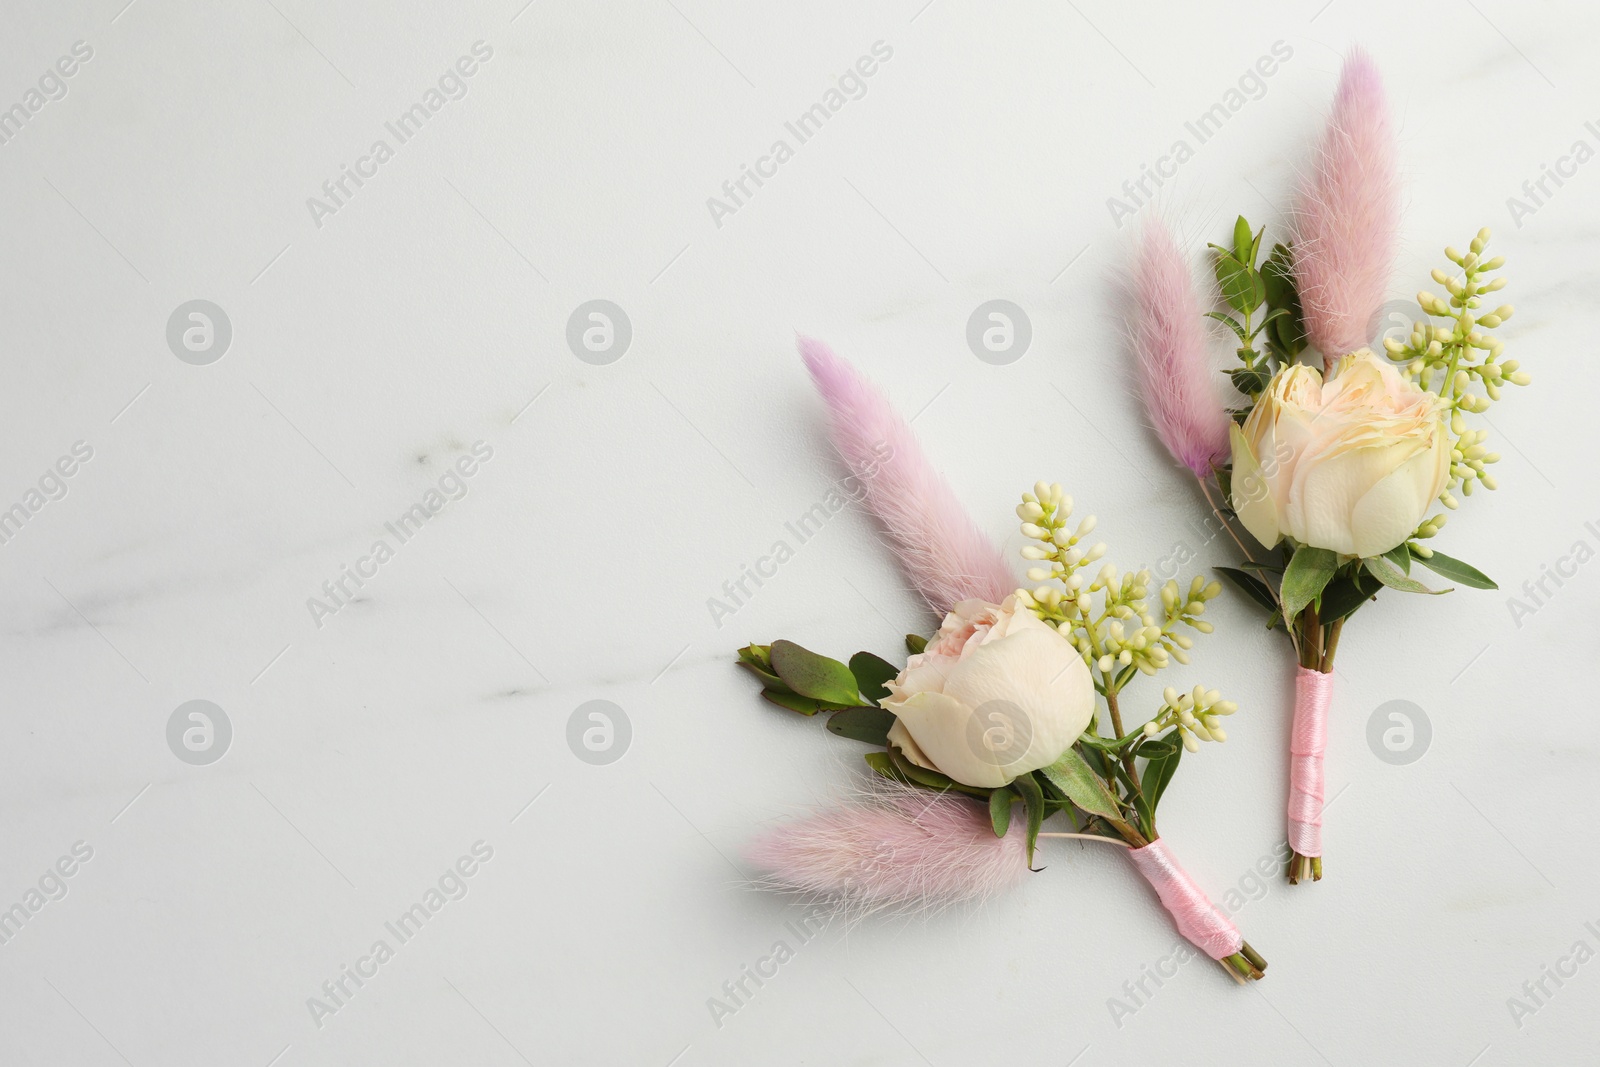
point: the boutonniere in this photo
(1327, 473)
(1017, 714)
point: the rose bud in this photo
(1351, 464)
(997, 693)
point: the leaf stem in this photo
(1090, 837)
(1311, 638)
(1116, 725)
(1331, 645)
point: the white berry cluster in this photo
(1458, 358)
(1106, 614)
(1195, 714)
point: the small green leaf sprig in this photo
(1268, 287)
(1460, 361)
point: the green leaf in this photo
(1158, 773)
(1244, 241)
(915, 643)
(759, 655)
(814, 676)
(1400, 556)
(1147, 816)
(1033, 800)
(1241, 284)
(1352, 588)
(1083, 787)
(1272, 316)
(1232, 324)
(862, 724)
(768, 679)
(1277, 274)
(1000, 810)
(795, 702)
(1304, 578)
(1096, 756)
(1156, 747)
(1455, 570)
(880, 762)
(757, 660)
(1106, 744)
(912, 774)
(1249, 380)
(1386, 573)
(1254, 587)
(1286, 333)
(870, 673)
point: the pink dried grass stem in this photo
(941, 549)
(1348, 216)
(894, 847)
(1175, 375)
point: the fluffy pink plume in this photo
(943, 552)
(1179, 384)
(1348, 216)
(897, 847)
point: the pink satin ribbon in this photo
(1308, 740)
(1196, 917)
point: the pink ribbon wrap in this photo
(1196, 917)
(1308, 740)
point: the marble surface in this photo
(405, 725)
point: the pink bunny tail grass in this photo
(1169, 342)
(943, 552)
(895, 847)
(1348, 216)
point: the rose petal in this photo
(1035, 674)
(1252, 494)
(939, 726)
(1389, 511)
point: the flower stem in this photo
(1331, 645)
(1116, 724)
(1246, 965)
(1089, 837)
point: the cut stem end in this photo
(1246, 965)
(1302, 867)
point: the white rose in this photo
(997, 693)
(1351, 464)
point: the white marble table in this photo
(397, 370)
